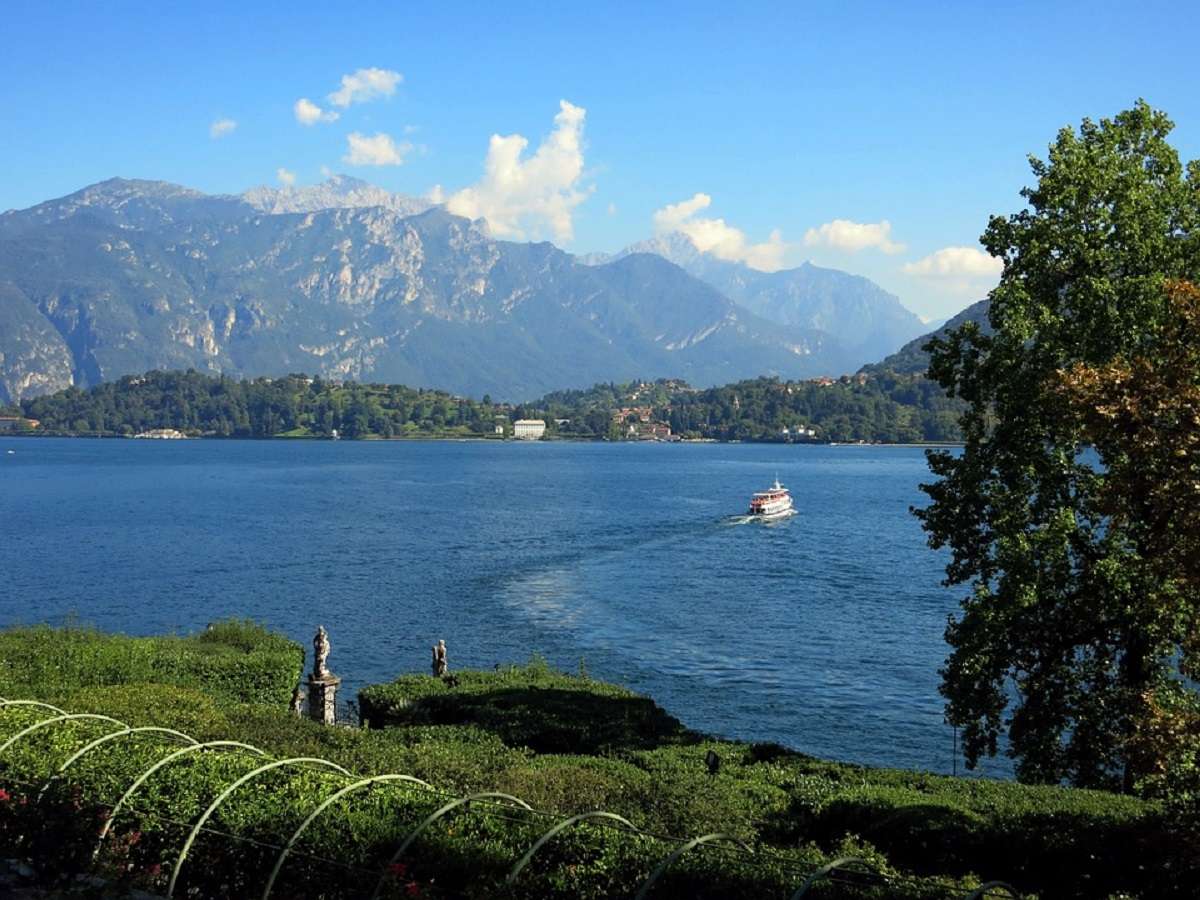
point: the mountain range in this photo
(913, 359)
(864, 320)
(349, 281)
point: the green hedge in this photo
(566, 745)
(527, 706)
(468, 854)
(233, 660)
(1059, 842)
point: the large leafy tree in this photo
(1069, 625)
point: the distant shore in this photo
(484, 438)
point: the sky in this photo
(876, 138)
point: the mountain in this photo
(127, 276)
(336, 192)
(863, 320)
(911, 359)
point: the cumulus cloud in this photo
(436, 195)
(717, 237)
(956, 264)
(285, 177)
(377, 150)
(308, 113)
(221, 127)
(850, 237)
(365, 85)
(521, 196)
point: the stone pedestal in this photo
(322, 698)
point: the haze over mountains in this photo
(865, 320)
(346, 280)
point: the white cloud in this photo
(957, 274)
(717, 237)
(520, 196)
(612, 209)
(365, 85)
(326, 172)
(436, 195)
(308, 113)
(672, 216)
(956, 264)
(850, 237)
(221, 127)
(285, 177)
(379, 150)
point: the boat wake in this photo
(763, 520)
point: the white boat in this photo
(773, 503)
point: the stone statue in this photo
(320, 653)
(440, 667)
(297, 700)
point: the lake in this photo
(822, 632)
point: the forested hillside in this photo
(882, 408)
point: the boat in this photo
(773, 503)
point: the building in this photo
(529, 429)
(16, 423)
(651, 431)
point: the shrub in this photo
(233, 661)
(796, 811)
(529, 706)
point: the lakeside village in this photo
(631, 423)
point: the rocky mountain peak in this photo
(336, 192)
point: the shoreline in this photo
(476, 439)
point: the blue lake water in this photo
(822, 632)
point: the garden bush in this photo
(468, 853)
(233, 660)
(527, 706)
(564, 744)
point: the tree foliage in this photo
(879, 407)
(1075, 614)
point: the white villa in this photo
(529, 429)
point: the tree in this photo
(1066, 629)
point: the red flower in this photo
(155, 869)
(413, 889)
(398, 869)
(5, 796)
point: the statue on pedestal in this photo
(440, 666)
(320, 653)
(322, 684)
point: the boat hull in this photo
(773, 516)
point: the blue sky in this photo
(771, 134)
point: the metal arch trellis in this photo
(984, 890)
(566, 823)
(225, 794)
(141, 779)
(54, 720)
(433, 817)
(980, 893)
(100, 741)
(4, 703)
(325, 804)
(824, 871)
(694, 842)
